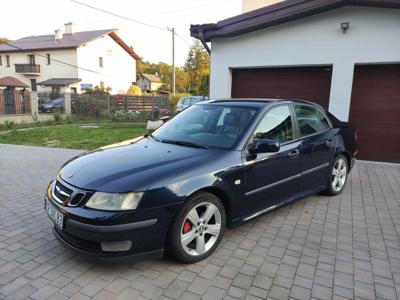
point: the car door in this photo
(272, 178)
(318, 144)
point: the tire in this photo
(196, 226)
(337, 176)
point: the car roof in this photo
(257, 102)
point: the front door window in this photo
(276, 125)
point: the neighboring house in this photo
(149, 82)
(72, 61)
(342, 54)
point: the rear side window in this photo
(184, 101)
(276, 125)
(193, 101)
(310, 120)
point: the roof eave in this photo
(37, 49)
(124, 46)
(276, 14)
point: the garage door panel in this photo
(308, 83)
(375, 111)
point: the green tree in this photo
(145, 67)
(3, 40)
(197, 66)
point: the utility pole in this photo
(173, 59)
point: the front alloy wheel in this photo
(201, 229)
(198, 228)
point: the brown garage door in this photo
(375, 111)
(307, 83)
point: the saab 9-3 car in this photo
(218, 163)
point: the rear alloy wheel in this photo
(198, 229)
(338, 176)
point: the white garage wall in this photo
(373, 37)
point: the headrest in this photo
(230, 119)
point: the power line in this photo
(120, 16)
(171, 11)
(52, 59)
(183, 39)
(137, 21)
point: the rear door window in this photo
(310, 120)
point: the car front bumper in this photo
(85, 231)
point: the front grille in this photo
(61, 192)
(67, 195)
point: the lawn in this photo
(74, 136)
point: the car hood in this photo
(133, 165)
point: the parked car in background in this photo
(51, 106)
(185, 102)
(217, 163)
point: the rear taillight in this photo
(355, 136)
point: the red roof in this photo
(12, 82)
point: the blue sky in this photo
(44, 16)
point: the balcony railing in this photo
(27, 69)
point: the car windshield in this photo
(205, 125)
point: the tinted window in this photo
(310, 120)
(276, 125)
(185, 101)
(218, 126)
(324, 122)
(194, 101)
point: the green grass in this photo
(73, 136)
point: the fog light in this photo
(116, 246)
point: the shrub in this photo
(9, 124)
(90, 105)
(134, 90)
(57, 118)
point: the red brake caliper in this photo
(186, 227)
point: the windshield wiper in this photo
(183, 143)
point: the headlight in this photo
(110, 201)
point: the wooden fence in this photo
(126, 103)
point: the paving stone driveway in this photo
(320, 247)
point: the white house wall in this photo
(119, 68)
(373, 37)
(54, 70)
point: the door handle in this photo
(329, 142)
(294, 153)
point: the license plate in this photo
(55, 215)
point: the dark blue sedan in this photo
(218, 163)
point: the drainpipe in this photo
(201, 38)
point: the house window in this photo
(31, 59)
(73, 90)
(100, 62)
(48, 59)
(55, 91)
(7, 61)
(33, 85)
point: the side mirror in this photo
(264, 146)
